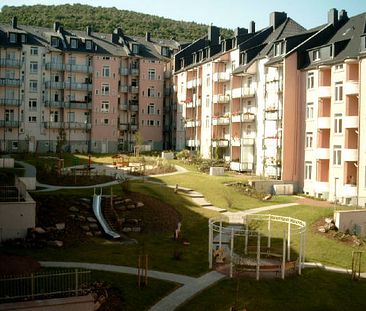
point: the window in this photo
(135, 48)
(23, 38)
(165, 51)
(54, 116)
(33, 67)
(72, 60)
(13, 38)
(151, 92)
(150, 122)
(54, 41)
(339, 67)
(9, 115)
(71, 116)
(338, 123)
(88, 44)
(74, 43)
(337, 155)
(208, 80)
(33, 85)
(309, 110)
(316, 55)
(105, 121)
(338, 91)
(151, 74)
(309, 140)
(157, 123)
(105, 107)
(151, 109)
(32, 104)
(106, 71)
(34, 50)
(14, 145)
(32, 119)
(308, 170)
(105, 89)
(280, 48)
(310, 80)
(207, 101)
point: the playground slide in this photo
(97, 208)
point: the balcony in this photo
(134, 107)
(10, 102)
(321, 186)
(349, 191)
(322, 153)
(78, 105)
(78, 125)
(123, 88)
(192, 123)
(225, 120)
(220, 143)
(241, 166)
(134, 89)
(350, 121)
(10, 82)
(123, 106)
(55, 66)
(324, 91)
(78, 68)
(324, 123)
(133, 127)
(9, 123)
(350, 155)
(247, 141)
(54, 85)
(192, 143)
(10, 62)
(78, 86)
(135, 71)
(191, 84)
(123, 126)
(53, 125)
(235, 142)
(221, 76)
(351, 87)
(54, 104)
(221, 99)
(123, 71)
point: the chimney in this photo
(333, 16)
(148, 36)
(60, 29)
(276, 19)
(88, 30)
(252, 27)
(342, 16)
(56, 25)
(213, 35)
(14, 22)
(240, 31)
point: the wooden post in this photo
(283, 256)
(139, 271)
(258, 256)
(220, 234)
(146, 265)
(76, 282)
(269, 233)
(246, 239)
(210, 241)
(289, 240)
(300, 252)
(231, 252)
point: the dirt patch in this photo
(16, 265)
(312, 202)
(69, 180)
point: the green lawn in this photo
(133, 297)
(313, 290)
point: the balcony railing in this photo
(55, 66)
(123, 88)
(221, 76)
(78, 86)
(10, 62)
(53, 125)
(351, 87)
(54, 85)
(10, 82)
(134, 89)
(78, 68)
(324, 91)
(224, 120)
(241, 166)
(134, 107)
(221, 99)
(220, 143)
(9, 123)
(54, 104)
(123, 106)
(192, 143)
(123, 71)
(135, 71)
(10, 102)
(78, 125)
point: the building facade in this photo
(83, 91)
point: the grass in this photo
(212, 187)
(314, 290)
(134, 298)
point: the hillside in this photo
(78, 16)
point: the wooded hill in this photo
(78, 16)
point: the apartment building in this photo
(83, 90)
(335, 114)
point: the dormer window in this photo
(23, 38)
(74, 43)
(12, 38)
(135, 48)
(165, 51)
(279, 48)
(316, 55)
(88, 44)
(54, 41)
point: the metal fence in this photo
(43, 285)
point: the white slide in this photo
(97, 209)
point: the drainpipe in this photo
(359, 127)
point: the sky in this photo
(226, 14)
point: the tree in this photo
(138, 143)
